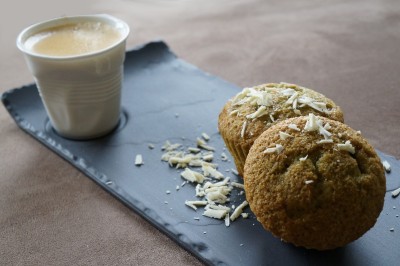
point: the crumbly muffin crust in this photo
(253, 110)
(321, 187)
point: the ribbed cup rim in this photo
(120, 25)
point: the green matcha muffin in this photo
(314, 182)
(253, 110)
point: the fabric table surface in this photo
(52, 214)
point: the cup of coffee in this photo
(77, 64)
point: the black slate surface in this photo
(165, 98)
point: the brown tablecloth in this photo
(51, 214)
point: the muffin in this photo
(314, 182)
(253, 110)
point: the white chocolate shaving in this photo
(227, 220)
(241, 95)
(327, 126)
(194, 203)
(324, 132)
(289, 85)
(260, 112)
(203, 145)
(294, 127)
(192, 176)
(287, 92)
(319, 106)
(314, 124)
(217, 207)
(297, 111)
(395, 192)
(311, 124)
(236, 111)
(284, 135)
(387, 166)
(210, 171)
(259, 97)
(294, 105)
(208, 157)
(205, 136)
(346, 147)
(237, 185)
(278, 149)
(238, 210)
(170, 147)
(309, 182)
(194, 150)
(221, 183)
(234, 171)
(272, 117)
(292, 98)
(216, 196)
(270, 150)
(264, 98)
(303, 158)
(243, 129)
(224, 190)
(138, 160)
(199, 191)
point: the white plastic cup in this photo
(81, 93)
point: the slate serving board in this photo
(165, 98)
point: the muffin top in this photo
(254, 109)
(314, 182)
